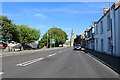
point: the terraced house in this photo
(106, 32)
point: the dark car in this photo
(3, 45)
(77, 47)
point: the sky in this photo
(45, 15)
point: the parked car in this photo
(2, 45)
(27, 47)
(77, 47)
(12, 45)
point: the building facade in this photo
(117, 27)
(105, 37)
(89, 37)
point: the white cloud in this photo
(6, 14)
(69, 9)
(40, 15)
(86, 12)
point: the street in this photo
(57, 63)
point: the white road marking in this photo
(51, 55)
(54, 53)
(35, 60)
(1, 73)
(29, 62)
(25, 62)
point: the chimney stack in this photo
(117, 3)
(105, 10)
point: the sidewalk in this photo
(111, 61)
(27, 51)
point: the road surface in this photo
(58, 63)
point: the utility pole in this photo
(47, 39)
(54, 43)
(50, 38)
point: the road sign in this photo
(53, 41)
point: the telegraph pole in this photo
(47, 39)
(50, 38)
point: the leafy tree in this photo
(26, 34)
(19, 33)
(54, 33)
(7, 27)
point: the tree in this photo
(7, 27)
(26, 34)
(19, 33)
(54, 33)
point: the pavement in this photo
(57, 63)
(111, 61)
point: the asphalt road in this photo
(58, 63)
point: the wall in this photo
(117, 20)
(104, 36)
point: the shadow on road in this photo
(111, 61)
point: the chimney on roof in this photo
(105, 10)
(117, 3)
(76, 36)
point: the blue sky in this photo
(64, 15)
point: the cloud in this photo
(6, 14)
(67, 28)
(40, 15)
(86, 12)
(90, 8)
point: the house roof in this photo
(82, 34)
(115, 5)
(87, 29)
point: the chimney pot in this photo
(105, 10)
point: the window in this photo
(101, 27)
(102, 45)
(109, 44)
(96, 44)
(96, 29)
(109, 22)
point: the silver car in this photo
(77, 47)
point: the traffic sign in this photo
(53, 41)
